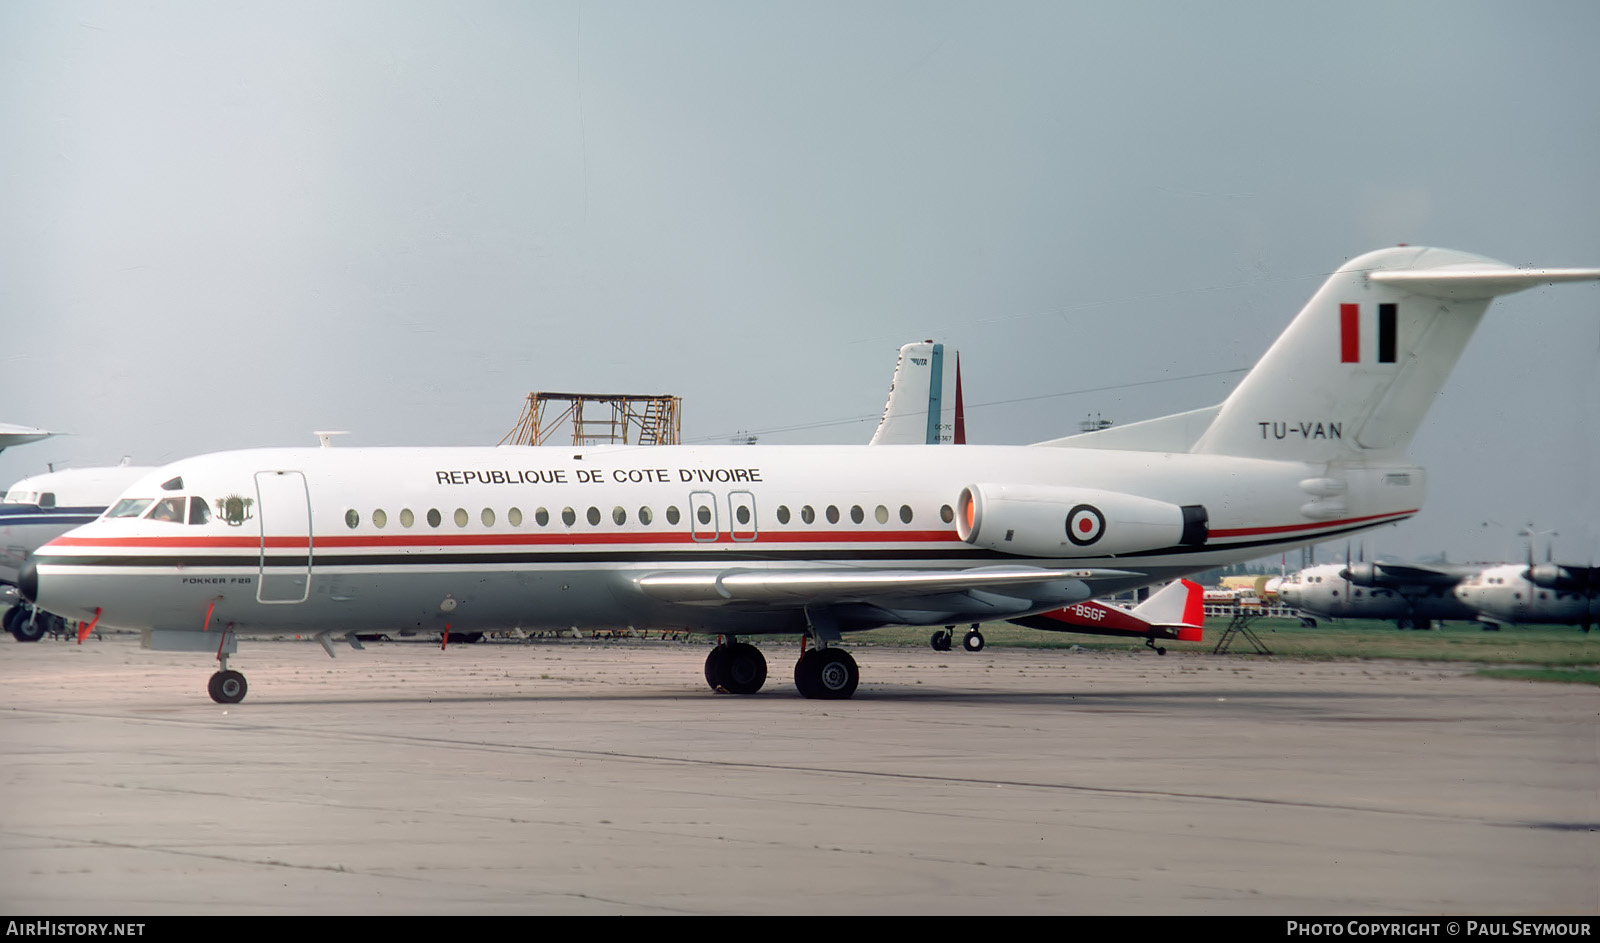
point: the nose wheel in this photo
(228, 687)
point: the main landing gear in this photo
(27, 624)
(828, 674)
(735, 667)
(972, 641)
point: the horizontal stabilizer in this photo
(1471, 282)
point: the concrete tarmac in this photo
(564, 777)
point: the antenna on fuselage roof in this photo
(326, 438)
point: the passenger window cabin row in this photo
(645, 516)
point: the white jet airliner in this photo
(738, 541)
(40, 508)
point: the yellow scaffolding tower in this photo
(612, 418)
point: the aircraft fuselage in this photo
(494, 538)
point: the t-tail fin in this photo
(1355, 372)
(924, 405)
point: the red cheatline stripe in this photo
(511, 540)
(1349, 333)
(1289, 528)
(765, 538)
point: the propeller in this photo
(1360, 573)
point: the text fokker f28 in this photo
(739, 541)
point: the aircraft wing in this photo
(1415, 573)
(1019, 588)
(19, 435)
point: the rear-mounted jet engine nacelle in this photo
(1040, 521)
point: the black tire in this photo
(29, 626)
(827, 674)
(714, 662)
(940, 641)
(973, 641)
(744, 669)
(227, 687)
(804, 674)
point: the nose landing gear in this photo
(227, 687)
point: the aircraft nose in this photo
(28, 582)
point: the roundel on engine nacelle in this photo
(1085, 525)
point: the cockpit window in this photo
(168, 509)
(173, 484)
(129, 507)
(47, 500)
(199, 511)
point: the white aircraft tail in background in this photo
(924, 405)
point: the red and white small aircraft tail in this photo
(1176, 611)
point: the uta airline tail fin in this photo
(1176, 611)
(1355, 372)
(924, 405)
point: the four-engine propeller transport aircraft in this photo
(1546, 594)
(737, 541)
(1414, 595)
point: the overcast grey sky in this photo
(224, 225)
